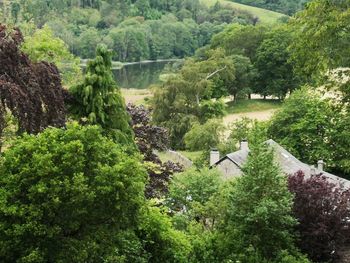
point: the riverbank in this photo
(120, 65)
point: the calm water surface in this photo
(140, 76)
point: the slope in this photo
(265, 16)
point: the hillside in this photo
(264, 15)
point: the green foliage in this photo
(67, 195)
(244, 129)
(135, 30)
(258, 223)
(275, 70)
(98, 100)
(44, 46)
(244, 76)
(204, 137)
(320, 41)
(309, 126)
(191, 189)
(240, 40)
(186, 97)
(161, 241)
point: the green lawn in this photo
(190, 155)
(253, 105)
(265, 16)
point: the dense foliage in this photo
(322, 210)
(66, 195)
(321, 38)
(148, 139)
(98, 99)
(259, 220)
(191, 194)
(288, 7)
(204, 137)
(44, 46)
(187, 96)
(32, 92)
(313, 128)
(135, 30)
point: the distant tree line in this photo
(135, 30)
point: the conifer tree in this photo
(259, 218)
(98, 99)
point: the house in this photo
(231, 164)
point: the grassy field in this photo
(265, 16)
(253, 105)
(136, 96)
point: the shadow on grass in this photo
(253, 105)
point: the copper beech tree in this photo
(32, 92)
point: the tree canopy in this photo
(67, 195)
(98, 99)
(32, 92)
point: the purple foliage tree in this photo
(323, 211)
(149, 138)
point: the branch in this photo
(215, 72)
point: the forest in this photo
(88, 175)
(135, 30)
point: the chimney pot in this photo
(320, 165)
(313, 170)
(244, 145)
(214, 156)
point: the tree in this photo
(161, 240)
(204, 137)
(44, 46)
(321, 38)
(186, 97)
(312, 128)
(32, 92)
(259, 216)
(191, 193)
(322, 210)
(275, 70)
(68, 194)
(148, 138)
(240, 40)
(244, 76)
(98, 100)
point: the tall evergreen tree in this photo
(259, 220)
(98, 99)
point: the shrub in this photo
(322, 209)
(160, 240)
(65, 195)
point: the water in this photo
(141, 75)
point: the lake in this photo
(140, 75)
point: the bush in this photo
(322, 209)
(203, 137)
(66, 196)
(161, 241)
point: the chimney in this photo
(312, 170)
(244, 145)
(214, 157)
(320, 165)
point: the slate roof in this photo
(288, 163)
